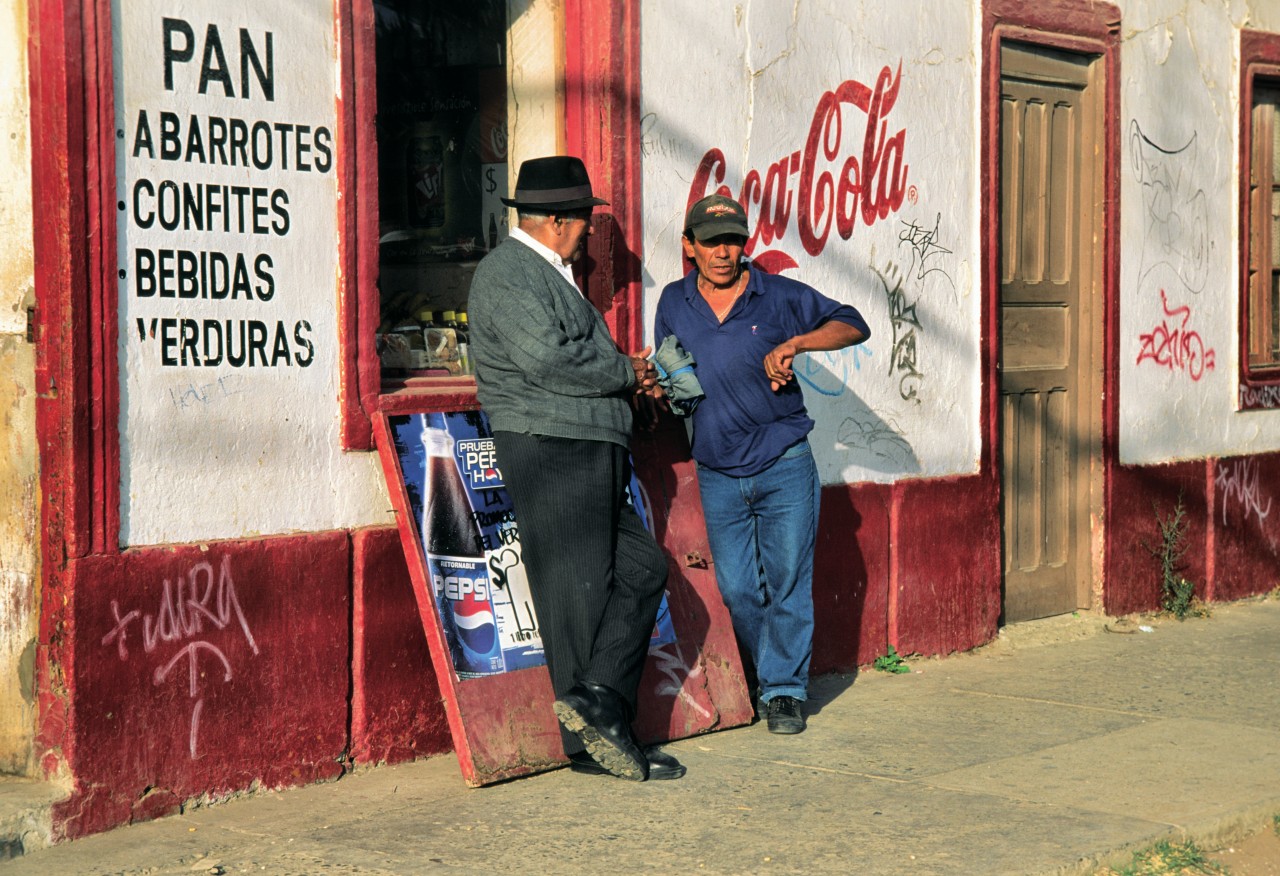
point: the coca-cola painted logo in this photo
(826, 183)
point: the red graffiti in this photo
(1175, 347)
(870, 188)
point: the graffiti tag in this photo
(190, 606)
(1240, 485)
(924, 246)
(204, 394)
(878, 438)
(1259, 396)
(1174, 346)
(828, 371)
(1174, 210)
(672, 666)
(902, 316)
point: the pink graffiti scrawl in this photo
(1174, 346)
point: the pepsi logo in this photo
(477, 628)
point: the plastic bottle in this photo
(409, 345)
(442, 343)
(464, 343)
(425, 195)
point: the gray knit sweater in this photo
(545, 363)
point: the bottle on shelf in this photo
(442, 343)
(427, 319)
(407, 345)
(464, 343)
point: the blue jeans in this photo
(762, 530)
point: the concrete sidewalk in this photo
(1022, 757)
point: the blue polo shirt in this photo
(742, 427)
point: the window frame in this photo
(1260, 71)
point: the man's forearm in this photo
(832, 335)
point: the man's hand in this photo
(831, 335)
(648, 408)
(646, 374)
(777, 365)
(648, 399)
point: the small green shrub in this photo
(891, 662)
(1166, 858)
(1177, 592)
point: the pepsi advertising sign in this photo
(468, 529)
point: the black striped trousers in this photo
(595, 573)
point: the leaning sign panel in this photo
(462, 542)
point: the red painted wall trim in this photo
(1210, 530)
(1074, 25)
(891, 599)
(602, 126)
(357, 160)
(250, 683)
(104, 291)
(77, 285)
(1057, 21)
(62, 409)
(61, 264)
(1259, 56)
(396, 709)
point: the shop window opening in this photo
(1263, 307)
(441, 129)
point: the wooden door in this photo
(1050, 216)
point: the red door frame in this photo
(76, 376)
(1259, 59)
(1079, 26)
(73, 187)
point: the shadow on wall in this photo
(864, 437)
(843, 632)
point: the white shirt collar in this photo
(547, 253)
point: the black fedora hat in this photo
(556, 182)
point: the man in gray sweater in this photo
(559, 395)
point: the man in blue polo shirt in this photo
(759, 485)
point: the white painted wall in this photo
(747, 79)
(1180, 187)
(218, 451)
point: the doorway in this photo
(1051, 224)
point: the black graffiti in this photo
(1174, 212)
(902, 316)
(870, 433)
(924, 246)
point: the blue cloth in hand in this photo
(676, 376)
